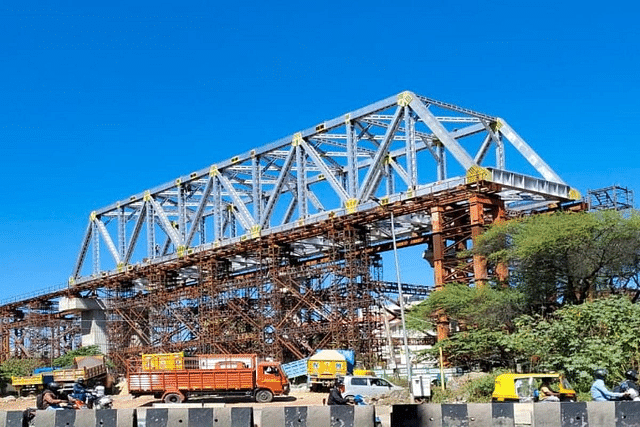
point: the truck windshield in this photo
(271, 370)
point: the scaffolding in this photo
(614, 197)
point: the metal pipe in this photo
(401, 300)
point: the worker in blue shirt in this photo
(599, 391)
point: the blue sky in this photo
(98, 102)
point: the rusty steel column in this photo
(477, 205)
(499, 216)
(5, 337)
(486, 210)
(438, 241)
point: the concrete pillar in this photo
(93, 320)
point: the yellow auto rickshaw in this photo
(525, 387)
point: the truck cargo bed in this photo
(192, 380)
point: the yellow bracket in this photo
(574, 194)
(347, 119)
(478, 173)
(404, 98)
(255, 231)
(93, 216)
(351, 205)
(213, 171)
(147, 196)
(72, 281)
(297, 139)
(182, 250)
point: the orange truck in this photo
(174, 377)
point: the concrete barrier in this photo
(318, 416)
(194, 417)
(85, 418)
(578, 414)
(565, 414)
(10, 418)
(71, 418)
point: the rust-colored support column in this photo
(476, 213)
(438, 265)
(499, 216)
(478, 205)
(5, 347)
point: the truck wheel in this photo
(173, 398)
(264, 396)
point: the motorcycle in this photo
(101, 400)
(93, 399)
(630, 393)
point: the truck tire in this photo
(264, 396)
(173, 398)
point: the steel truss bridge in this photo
(276, 250)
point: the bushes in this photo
(471, 388)
(16, 367)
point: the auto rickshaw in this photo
(524, 387)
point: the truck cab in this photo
(270, 380)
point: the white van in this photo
(367, 386)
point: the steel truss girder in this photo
(411, 143)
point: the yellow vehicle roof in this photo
(518, 376)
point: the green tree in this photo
(17, 367)
(484, 315)
(66, 360)
(577, 339)
(565, 258)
